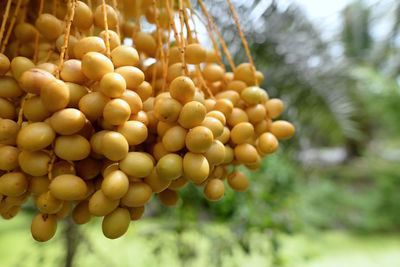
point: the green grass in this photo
(164, 243)
(338, 248)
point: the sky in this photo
(318, 9)
(327, 14)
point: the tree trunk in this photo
(71, 239)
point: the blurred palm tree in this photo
(299, 67)
(356, 34)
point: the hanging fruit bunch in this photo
(97, 114)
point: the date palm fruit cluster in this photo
(89, 127)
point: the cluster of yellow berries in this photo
(100, 132)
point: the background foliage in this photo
(339, 172)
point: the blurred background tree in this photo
(338, 172)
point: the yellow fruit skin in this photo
(214, 189)
(182, 89)
(65, 210)
(282, 129)
(116, 112)
(89, 44)
(138, 194)
(8, 158)
(192, 114)
(132, 75)
(67, 121)
(19, 65)
(242, 132)
(32, 81)
(83, 18)
(174, 138)
(95, 65)
(13, 184)
(195, 54)
(44, 227)
(136, 213)
(49, 26)
(268, 143)
(115, 185)
(112, 17)
(274, 107)
(38, 184)
(238, 181)
(54, 95)
(179, 183)
(135, 132)
(35, 136)
(81, 214)
(46, 203)
(156, 183)
(199, 139)
(137, 164)
(168, 198)
(116, 223)
(246, 153)
(169, 167)
(124, 56)
(113, 85)
(195, 167)
(100, 205)
(114, 146)
(34, 163)
(216, 153)
(65, 147)
(68, 187)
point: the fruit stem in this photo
(54, 8)
(221, 40)
(115, 6)
(160, 44)
(193, 21)
(203, 82)
(172, 23)
(246, 47)
(89, 3)
(183, 43)
(51, 164)
(5, 17)
(11, 26)
(66, 36)
(165, 71)
(35, 54)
